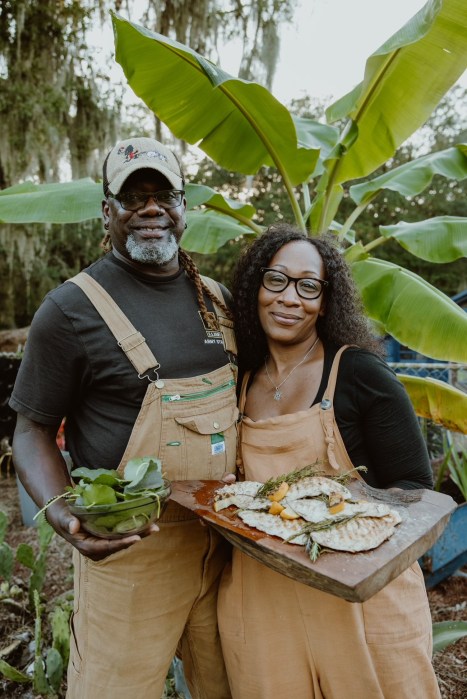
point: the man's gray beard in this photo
(155, 253)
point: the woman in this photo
(315, 387)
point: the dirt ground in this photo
(448, 601)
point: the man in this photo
(131, 353)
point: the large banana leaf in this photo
(237, 123)
(80, 200)
(65, 202)
(208, 230)
(404, 80)
(412, 178)
(198, 195)
(440, 239)
(411, 310)
(313, 134)
(437, 401)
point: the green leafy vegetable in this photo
(98, 475)
(143, 474)
(103, 499)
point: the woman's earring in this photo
(106, 226)
(186, 226)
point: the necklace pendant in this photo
(277, 394)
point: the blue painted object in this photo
(449, 553)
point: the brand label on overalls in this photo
(213, 336)
(217, 443)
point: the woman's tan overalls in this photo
(132, 608)
(284, 639)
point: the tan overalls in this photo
(284, 639)
(133, 608)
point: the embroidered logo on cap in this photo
(132, 153)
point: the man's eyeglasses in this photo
(166, 199)
(306, 287)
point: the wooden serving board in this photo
(352, 576)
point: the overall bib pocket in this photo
(199, 433)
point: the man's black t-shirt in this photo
(73, 366)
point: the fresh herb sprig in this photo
(313, 549)
(273, 483)
(307, 471)
(344, 478)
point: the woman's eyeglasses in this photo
(166, 199)
(306, 287)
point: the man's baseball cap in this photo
(137, 154)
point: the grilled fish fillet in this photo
(311, 486)
(314, 510)
(359, 534)
(239, 488)
(244, 502)
(274, 525)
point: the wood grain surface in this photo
(352, 576)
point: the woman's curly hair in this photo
(343, 323)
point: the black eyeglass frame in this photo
(150, 195)
(323, 283)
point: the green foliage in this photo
(59, 623)
(37, 564)
(306, 170)
(49, 662)
(50, 108)
(48, 672)
(36, 258)
(46, 69)
(11, 673)
(454, 465)
(237, 125)
(447, 632)
(7, 559)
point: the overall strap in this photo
(128, 338)
(326, 412)
(331, 387)
(243, 391)
(241, 407)
(225, 324)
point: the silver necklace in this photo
(277, 393)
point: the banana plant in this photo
(242, 127)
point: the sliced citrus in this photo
(280, 492)
(334, 509)
(276, 508)
(288, 513)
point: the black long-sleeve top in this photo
(377, 421)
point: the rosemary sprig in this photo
(313, 549)
(311, 470)
(344, 478)
(324, 524)
(273, 483)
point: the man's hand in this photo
(69, 527)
